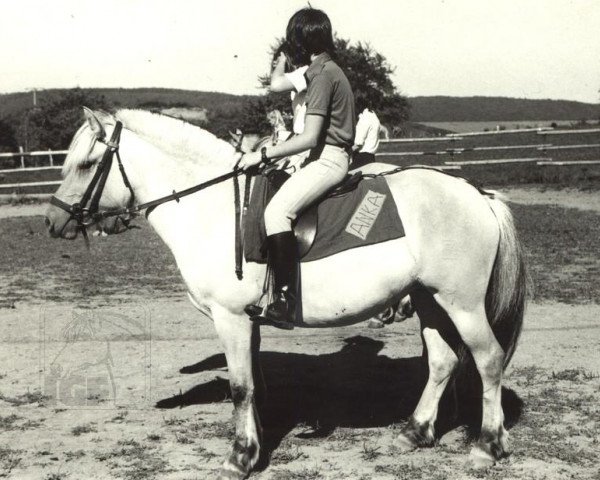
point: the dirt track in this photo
(336, 408)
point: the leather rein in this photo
(86, 215)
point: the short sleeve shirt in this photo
(298, 95)
(329, 94)
(367, 131)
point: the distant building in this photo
(193, 114)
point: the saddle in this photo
(357, 212)
(305, 227)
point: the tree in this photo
(7, 137)
(369, 74)
(53, 125)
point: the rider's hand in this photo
(249, 160)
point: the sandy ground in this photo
(100, 417)
(31, 210)
(570, 198)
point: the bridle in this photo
(86, 215)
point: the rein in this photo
(86, 216)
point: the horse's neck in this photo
(201, 215)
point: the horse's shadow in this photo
(353, 388)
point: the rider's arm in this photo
(282, 81)
(279, 81)
(313, 127)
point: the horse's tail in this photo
(509, 282)
(504, 301)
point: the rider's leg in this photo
(302, 189)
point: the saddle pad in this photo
(364, 216)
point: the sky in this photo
(510, 48)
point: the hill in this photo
(471, 109)
(423, 109)
(12, 104)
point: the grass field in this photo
(561, 244)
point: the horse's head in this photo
(91, 183)
(245, 142)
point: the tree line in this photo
(52, 124)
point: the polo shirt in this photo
(298, 80)
(329, 94)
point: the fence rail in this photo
(498, 161)
(29, 184)
(31, 169)
(501, 132)
(570, 162)
(41, 153)
(400, 147)
(567, 132)
(566, 147)
(445, 138)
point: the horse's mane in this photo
(82, 143)
(176, 137)
(181, 140)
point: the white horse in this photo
(460, 260)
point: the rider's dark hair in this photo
(308, 33)
(283, 48)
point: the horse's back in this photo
(447, 220)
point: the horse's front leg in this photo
(236, 334)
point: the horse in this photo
(279, 130)
(461, 262)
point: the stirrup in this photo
(263, 320)
(256, 314)
(253, 310)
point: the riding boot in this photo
(283, 252)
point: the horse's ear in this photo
(234, 137)
(94, 123)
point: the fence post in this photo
(22, 157)
(51, 159)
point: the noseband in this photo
(86, 215)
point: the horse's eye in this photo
(86, 165)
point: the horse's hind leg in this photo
(475, 331)
(236, 334)
(438, 332)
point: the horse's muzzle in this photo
(60, 224)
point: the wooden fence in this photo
(455, 150)
(541, 154)
(51, 156)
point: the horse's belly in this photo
(354, 285)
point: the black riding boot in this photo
(283, 253)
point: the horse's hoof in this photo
(374, 323)
(404, 443)
(479, 459)
(231, 474)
